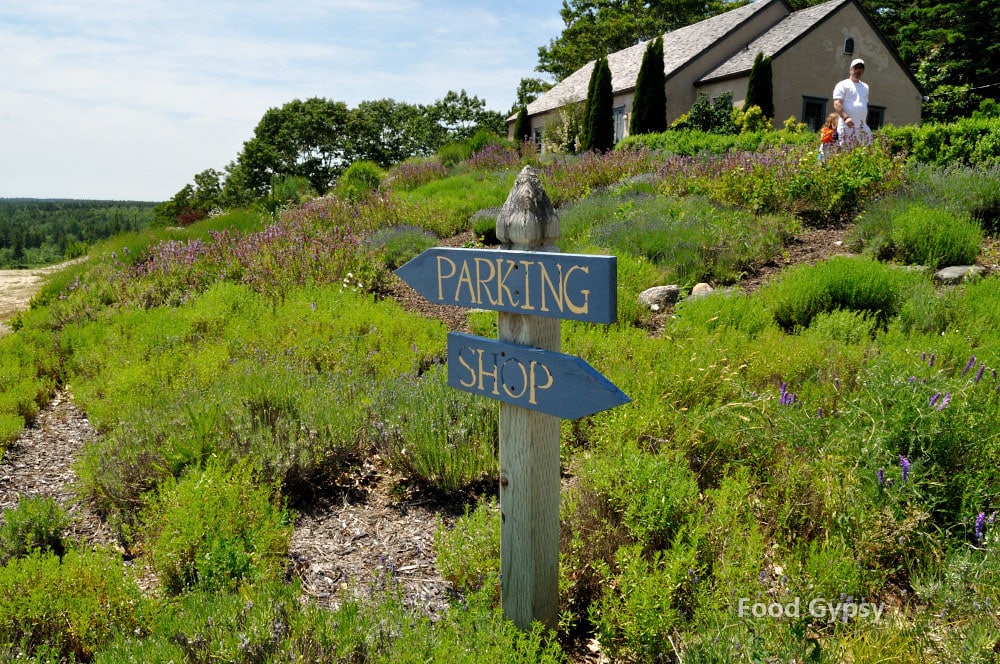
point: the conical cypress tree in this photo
(649, 106)
(598, 119)
(588, 108)
(760, 86)
(522, 125)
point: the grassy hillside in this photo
(806, 472)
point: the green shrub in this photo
(935, 237)
(36, 524)
(400, 244)
(858, 284)
(216, 530)
(65, 610)
(360, 180)
(722, 311)
(272, 623)
(485, 229)
(965, 190)
(437, 435)
(468, 553)
(453, 153)
(414, 172)
(11, 425)
(695, 240)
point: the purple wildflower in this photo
(912, 380)
(945, 401)
(980, 526)
(881, 476)
(787, 398)
(934, 399)
(968, 365)
(904, 463)
(930, 362)
(979, 374)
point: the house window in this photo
(538, 136)
(876, 116)
(619, 116)
(849, 46)
(814, 112)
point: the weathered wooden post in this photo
(533, 287)
(529, 440)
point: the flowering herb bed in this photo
(821, 452)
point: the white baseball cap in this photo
(857, 61)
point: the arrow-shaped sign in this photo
(542, 380)
(535, 283)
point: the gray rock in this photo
(659, 297)
(956, 274)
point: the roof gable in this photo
(775, 40)
(680, 47)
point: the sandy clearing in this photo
(17, 287)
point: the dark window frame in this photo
(813, 119)
(876, 117)
(849, 46)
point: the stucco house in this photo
(811, 50)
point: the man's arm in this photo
(838, 107)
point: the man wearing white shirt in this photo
(850, 102)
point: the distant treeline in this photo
(37, 232)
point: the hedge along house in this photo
(810, 50)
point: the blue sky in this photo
(128, 99)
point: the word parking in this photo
(553, 285)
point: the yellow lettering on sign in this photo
(532, 399)
(524, 379)
(581, 308)
(506, 283)
(465, 277)
(442, 261)
(554, 288)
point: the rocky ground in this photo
(348, 537)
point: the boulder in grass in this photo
(956, 274)
(659, 298)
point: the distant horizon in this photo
(129, 101)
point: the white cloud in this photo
(131, 98)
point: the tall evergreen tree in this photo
(649, 106)
(760, 86)
(598, 118)
(522, 125)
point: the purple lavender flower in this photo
(934, 399)
(930, 362)
(904, 463)
(881, 476)
(786, 398)
(913, 379)
(980, 526)
(968, 365)
(979, 374)
(945, 401)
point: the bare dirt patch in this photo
(17, 287)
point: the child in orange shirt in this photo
(828, 134)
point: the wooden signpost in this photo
(533, 287)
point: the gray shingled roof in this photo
(774, 40)
(679, 47)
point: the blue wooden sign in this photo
(554, 285)
(541, 380)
